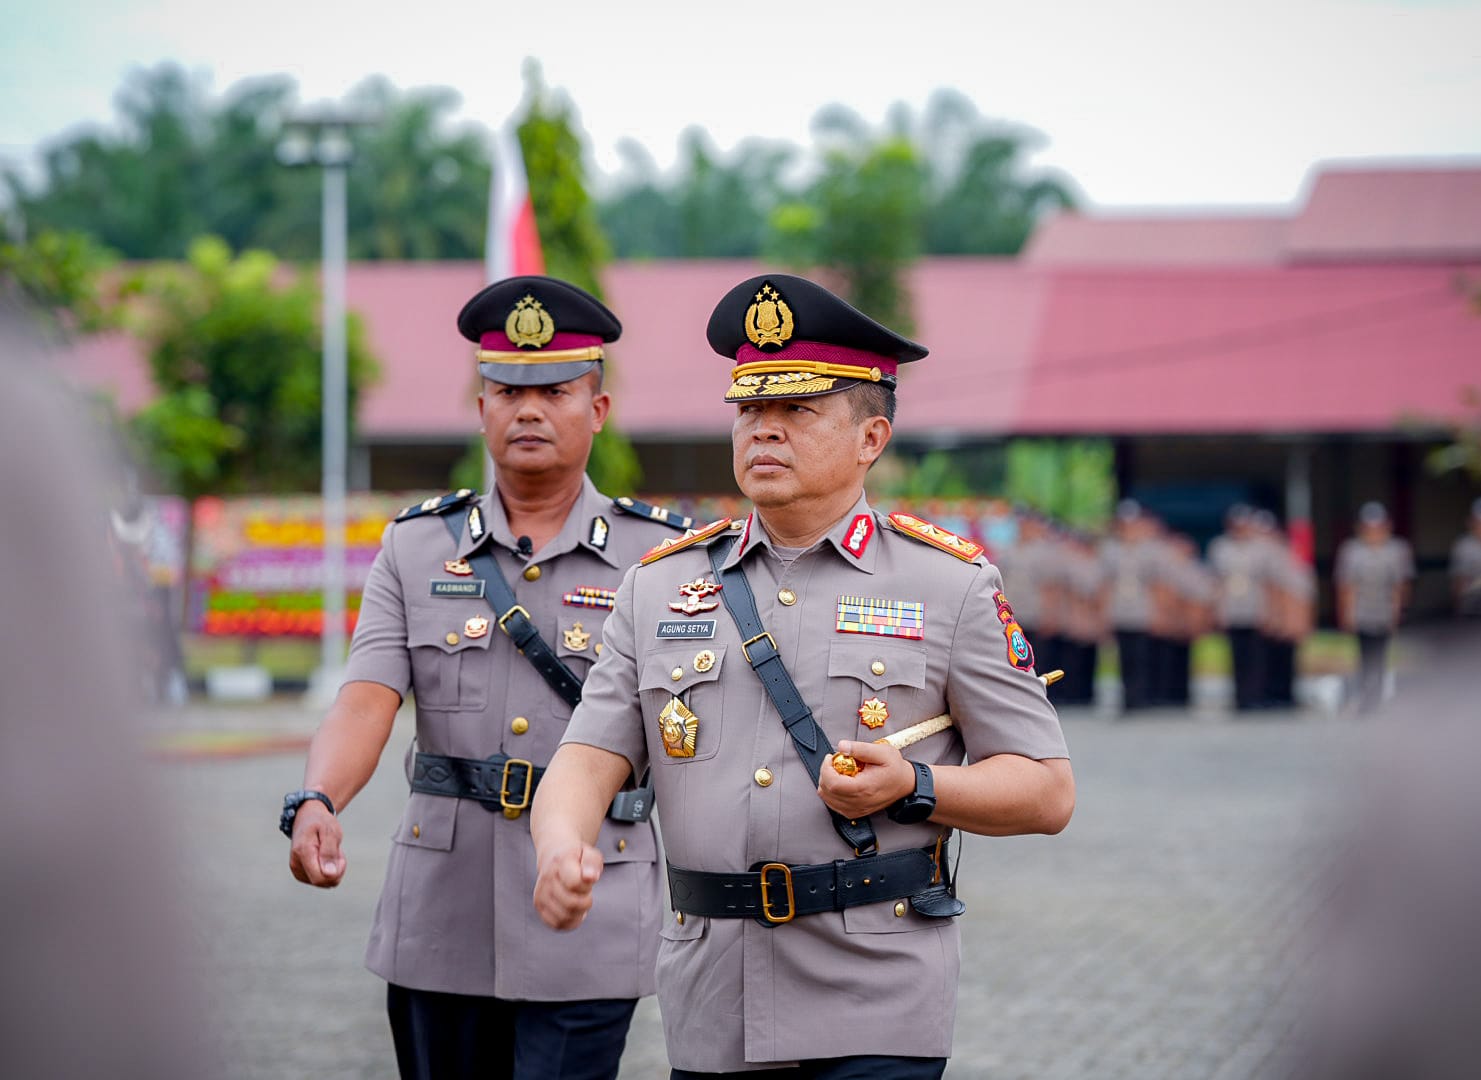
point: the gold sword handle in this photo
(846, 765)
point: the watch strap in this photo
(292, 801)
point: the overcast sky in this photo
(1142, 102)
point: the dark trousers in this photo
(1135, 647)
(458, 1037)
(1372, 666)
(1078, 685)
(1176, 675)
(1246, 645)
(849, 1068)
(1280, 672)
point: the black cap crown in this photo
(535, 330)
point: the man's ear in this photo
(877, 432)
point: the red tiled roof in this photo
(1161, 239)
(1050, 343)
(1390, 214)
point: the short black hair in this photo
(868, 399)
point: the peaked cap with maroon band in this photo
(790, 337)
(536, 331)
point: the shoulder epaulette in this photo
(689, 539)
(671, 518)
(438, 504)
(926, 533)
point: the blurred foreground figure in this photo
(92, 984)
(1375, 570)
(1397, 987)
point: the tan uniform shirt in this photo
(863, 981)
(455, 914)
(1132, 569)
(1033, 571)
(1085, 580)
(1465, 570)
(1243, 567)
(1375, 572)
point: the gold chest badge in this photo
(576, 639)
(694, 593)
(457, 566)
(678, 728)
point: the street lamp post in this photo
(322, 137)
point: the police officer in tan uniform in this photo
(1241, 562)
(812, 930)
(1375, 571)
(489, 609)
(1465, 567)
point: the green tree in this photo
(571, 238)
(861, 219)
(234, 354)
(60, 275)
(1072, 480)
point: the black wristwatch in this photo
(920, 803)
(292, 801)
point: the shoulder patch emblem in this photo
(437, 504)
(689, 539)
(671, 518)
(924, 531)
(1020, 652)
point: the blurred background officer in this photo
(1130, 557)
(1375, 571)
(1241, 563)
(814, 931)
(1033, 568)
(1189, 589)
(1290, 613)
(1085, 579)
(1465, 567)
(478, 986)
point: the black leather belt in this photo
(505, 783)
(774, 893)
(499, 783)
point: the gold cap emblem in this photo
(529, 325)
(769, 319)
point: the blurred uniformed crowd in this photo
(1146, 587)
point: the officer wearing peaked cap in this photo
(812, 929)
(489, 610)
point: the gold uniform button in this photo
(451, 639)
(622, 845)
(900, 910)
(877, 667)
(679, 918)
(416, 831)
(532, 573)
(763, 777)
(598, 648)
(787, 597)
(519, 725)
(676, 674)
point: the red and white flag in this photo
(513, 243)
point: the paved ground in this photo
(1156, 938)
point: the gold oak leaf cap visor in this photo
(536, 331)
(790, 337)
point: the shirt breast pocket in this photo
(681, 699)
(876, 687)
(450, 675)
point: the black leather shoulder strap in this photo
(761, 653)
(515, 621)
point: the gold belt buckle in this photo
(512, 809)
(504, 618)
(786, 870)
(745, 648)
